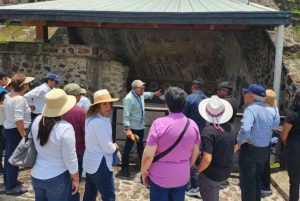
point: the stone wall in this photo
(73, 63)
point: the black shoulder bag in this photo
(162, 154)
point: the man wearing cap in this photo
(3, 92)
(270, 103)
(84, 102)
(76, 117)
(254, 137)
(191, 111)
(133, 120)
(36, 97)
(225, 92)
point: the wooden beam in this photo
(141, 26)
(41, 32)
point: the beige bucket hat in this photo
(57, 103)
(103, 96)
(270, 99)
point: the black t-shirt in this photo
(235, 106)
(294, 119)
(221, 146)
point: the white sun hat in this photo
(215, 110)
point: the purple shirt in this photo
(173, 170)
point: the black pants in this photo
(251, 161)
(266, 174)
(129, 144)
(293, 164)
(2, 146)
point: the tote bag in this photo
(25, 154)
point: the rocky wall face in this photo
(259, 54)
(162, 57)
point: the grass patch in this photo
(297, 28)
(295, 10)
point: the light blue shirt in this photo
(133, 111)
(84, 103)
(257, 124)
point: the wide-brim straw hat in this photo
(103, 96)
(270, 99)
(215, 110)
(57, 103)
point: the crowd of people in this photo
(197, 139)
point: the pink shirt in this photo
(173, 170)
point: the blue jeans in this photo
(103, 181)
(251, 161)
(76, 196)
(54, 189)
(158, 193)
(13, 138)
(194, 176)
(129, 144)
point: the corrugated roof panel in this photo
(144, 5)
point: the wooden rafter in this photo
(138, 26)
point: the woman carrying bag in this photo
(56, 163)
(18, 119)
(99, 149)
(168, 176)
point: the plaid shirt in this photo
(191, 108)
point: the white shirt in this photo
(16, 109)
(98, 143)
(58, 155)
(84, 103)
(2, 115)
(36, 97)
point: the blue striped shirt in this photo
(257, 124)
(132, 111)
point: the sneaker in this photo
(193, 191)
(224, 184)
(265, 191)
(18, 190)
(125, 172)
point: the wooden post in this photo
(41, 32)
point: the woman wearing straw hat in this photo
(17, 114)
(56, 163)
(219, 144)
(99, 149)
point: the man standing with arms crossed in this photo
(254, 137)
(191, 111)
(133, 120)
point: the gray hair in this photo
(258, 98)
